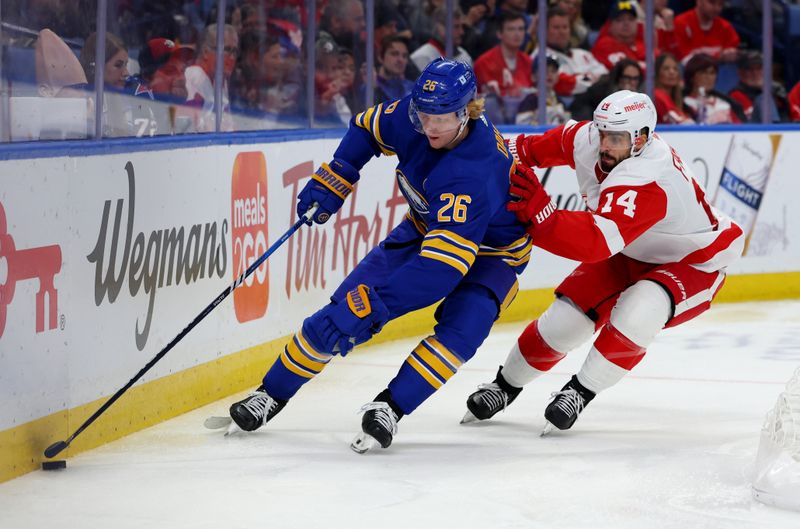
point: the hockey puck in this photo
(57, 464)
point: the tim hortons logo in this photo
(250, 234)
(150, 261)
(42, 263)
(636, 106)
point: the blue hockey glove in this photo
(328, 187)
(341, 325)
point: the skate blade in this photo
(548, 427)
(468, 418)
(232, 429)
(363, 443)
(217, 422)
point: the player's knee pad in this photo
(564, 326)
(641, 312)
(546, 341)
(465, 318)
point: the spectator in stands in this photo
(330, 105)
(578, 68)
(668, 94)
(391, 82)
(750, 69)
(622, 39)
(702, 30)
(704, 104)
(389, 21)
(259, 63)
(435, 47)
(476, 15)
(505, 70)
(200, 77)
(169, 80)
(578, 30)
(347, 81)
(556, 113)
(341, 25)
(490, 35)
(420, 17)
(627, 74)
(794, 103)
(127, 104)
(115, 70)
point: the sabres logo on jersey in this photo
(415, 200)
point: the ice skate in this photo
(490, 399)
(254, 411)
(378, 425)
(567, 404)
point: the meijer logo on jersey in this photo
(250, 233)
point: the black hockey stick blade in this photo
(54, 449)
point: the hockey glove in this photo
(534, 206)
(342, 324)
(519, 151)
(328, 187)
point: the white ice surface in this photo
(671, 446)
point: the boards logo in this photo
(249, 233)
(42, 263)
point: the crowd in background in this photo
(161, 59)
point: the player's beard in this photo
(608, 162)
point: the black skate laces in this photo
(383, 414)
(569, 401)
(493, 396)
(260, 405)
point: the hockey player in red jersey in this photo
(653, 253)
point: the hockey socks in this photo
(425, 370)
(299, 362)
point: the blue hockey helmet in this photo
(444, 86)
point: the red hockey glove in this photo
(518, 150)
(534, 206)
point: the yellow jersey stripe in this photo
(448, 248)
(368, 118)
(360, 120)
(432, 380)
(444, 351)
(456, 238)
(452, 261)
(299, 358)
(433, 362)
(287, 363)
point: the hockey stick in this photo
(55, 448)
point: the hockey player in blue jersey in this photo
(457, 243)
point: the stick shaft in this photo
(192, 324)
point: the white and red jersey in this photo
(649, 207)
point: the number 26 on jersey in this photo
(455, 207)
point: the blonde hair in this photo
(475, 108)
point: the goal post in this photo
(776, 479)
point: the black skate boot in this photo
(567, 404)
(379, 423)
(256, 410)
(490, 399)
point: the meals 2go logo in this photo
(250, 233)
